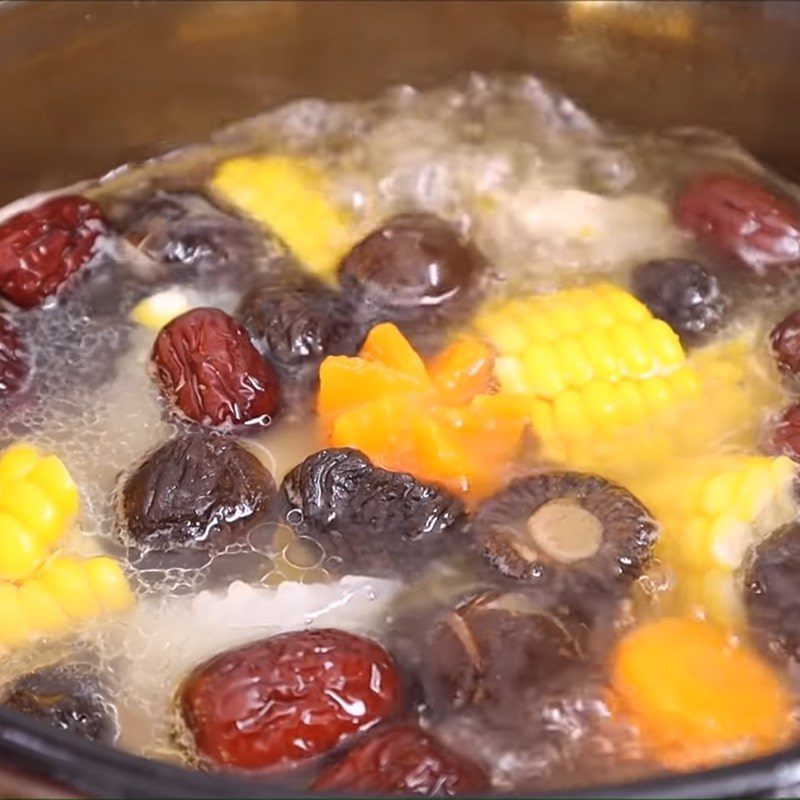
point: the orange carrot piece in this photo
(461, 371)
(346, 382)
(697, 696)
(386, 345)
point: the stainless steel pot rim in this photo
(102, 771)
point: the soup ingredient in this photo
(441, 423)
(210, 373)
(377, 522)
(599, 411)
(785, 343)
(711, 510)
(403, 760)
(684, 294)
(295, 321)
(291, 198)
(160, 309)
(785, 435)
(571, 533)
(38, 505)
(577, 338)
(592, 361)
(184, 228)
(61, 593)
(770, 592)
(415, 269)
(42, 247)
(197, 490)
(175, 636)
(743, 220)
(69, 696)
(467, 660)
(289, 698)
(14, 365)
(697, 696)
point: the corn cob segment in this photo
(711, 511)
(64, 592)
(289, 197)
(611, 389)
(38, 504)
(575, 337)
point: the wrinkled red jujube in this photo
(41, 248)
(403, 760)
(14, 366)
(210, 372)
(743, 220)
(785, 343)
(289, 698)
(785, 436)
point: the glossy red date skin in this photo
(210, 372)
(403, 760)
(785, 343)
(289, 698)
(14, 367)
(785, 437)
(743, 220)
(41, 248)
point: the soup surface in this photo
(435, 444)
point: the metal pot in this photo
(87, 86)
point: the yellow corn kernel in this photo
(289, 196)
(62, 592)
(65, 579)
(574, 365)
(711, 512)
(159, 309)
(30, 505)
(570, 415)
(51, 475)
(20, 552)
(45, 614)
(626, 307)
(108, 583)
(605, 364)
(632, 349)
(15, 628)
(542, 371)
(17, 461)
(38, 504)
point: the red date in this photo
(785, 343)
(289, 698)
(785, 435)
(41, 248)
(13, 362)
(403, 760)
(743, 220)
(211, 373)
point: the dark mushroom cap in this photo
(573, 534)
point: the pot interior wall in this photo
(89, 85)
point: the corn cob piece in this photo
(611, 389)
(711, 511)
(289, 197)
(63, 592)
(38, 504)
(568, 340)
